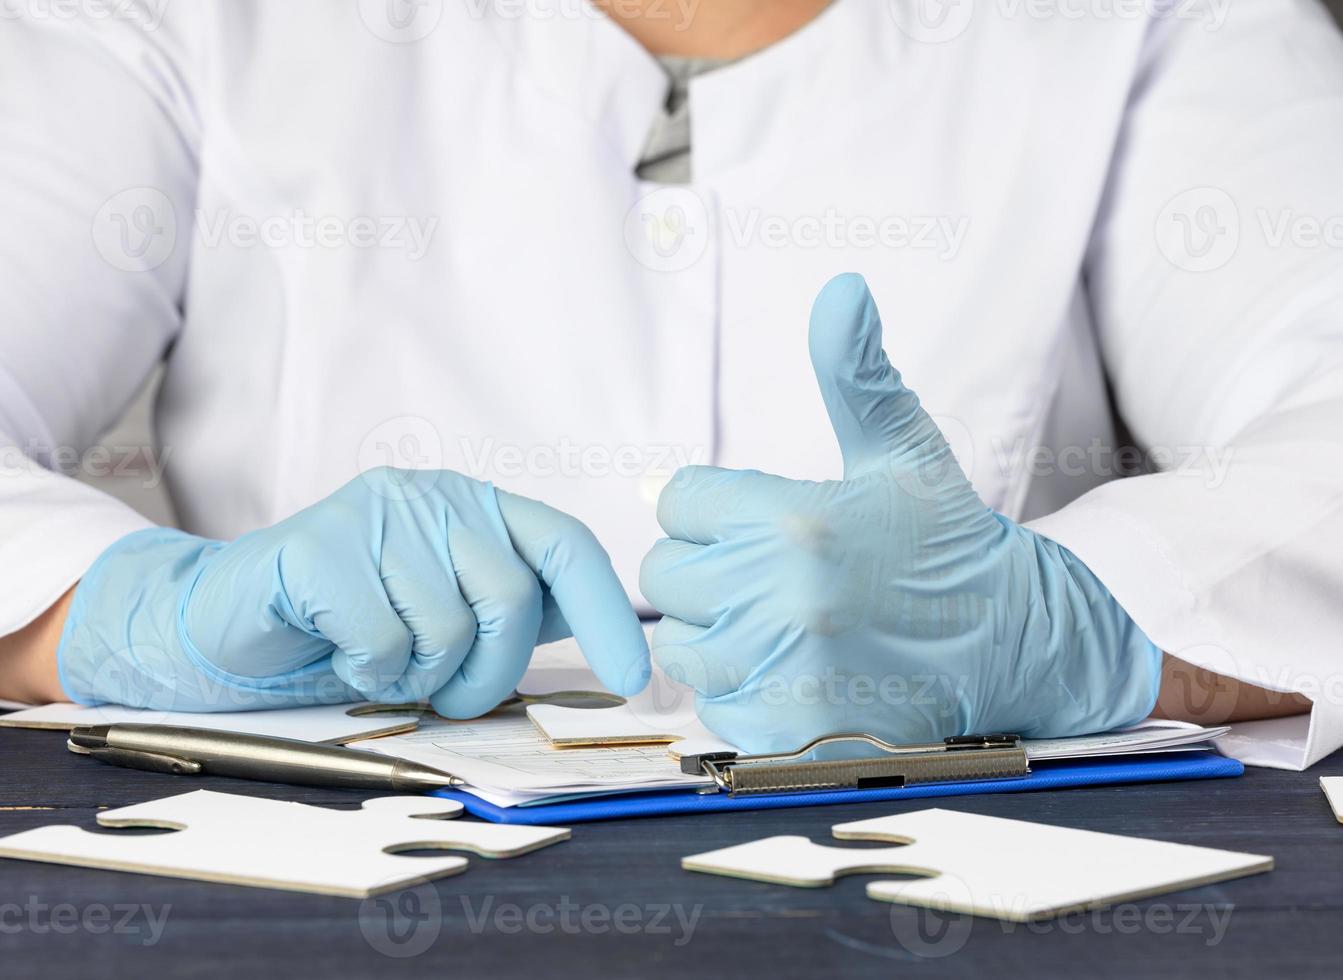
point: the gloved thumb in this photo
(872, 412)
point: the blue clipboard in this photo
(1168, 767)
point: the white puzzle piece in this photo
(664, 712)
(626, 724)
(557, 671)
(1333, 791)
(988, 866)
(292, 846)
(333, 723)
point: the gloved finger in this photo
(248, 646)
(505, 598)
(872, 412)
(692, 655)
(343, 601)
(780, 708)
(422, 588)
(553, 624)
(707, 504)
(575, 568)
(686, 581)
(744, 719)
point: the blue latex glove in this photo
(400, 586)
(894, 601)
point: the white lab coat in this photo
(1047, 206)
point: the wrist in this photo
(119, 641)
(1117, 643)
(1099, 670)
(28, 670)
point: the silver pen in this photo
(199, 751)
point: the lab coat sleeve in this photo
(96, 148)
(1216, 280)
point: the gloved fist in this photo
(894, 601)
(398, 587)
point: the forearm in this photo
(28, 657)
(1190, 693)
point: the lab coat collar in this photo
(750, 111)
(754, 112)
(587, 62)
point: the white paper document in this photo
(508, 761)
(1151, 736)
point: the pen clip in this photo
(146, 761)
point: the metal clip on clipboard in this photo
(956, 759)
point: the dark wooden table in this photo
(613, 902)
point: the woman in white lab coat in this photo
(508, 241)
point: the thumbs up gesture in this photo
(894, 601)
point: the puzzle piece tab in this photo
(1003, 869)
(663, 712)
(1333, 791)
(272, 844)
(626, 724)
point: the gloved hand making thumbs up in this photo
(893, 601)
